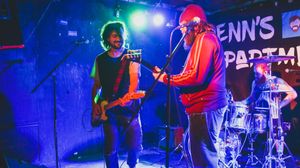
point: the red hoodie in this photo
(202, 80)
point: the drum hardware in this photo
(230, 147)
(275, 91)
(259, 123)
(286, 127)
(252, 158)
(238, 118)
(274, 113)
(257, 126)
(275, 136)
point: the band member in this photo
(116, 79)
(202, 85)
(263, 82)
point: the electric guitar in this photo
(108, 105)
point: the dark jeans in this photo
(114, 134)
(204, 131)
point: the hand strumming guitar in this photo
(97, 113)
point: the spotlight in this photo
(158, 20)
(138, 19)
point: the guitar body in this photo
(105, 105)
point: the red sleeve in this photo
(198, 62)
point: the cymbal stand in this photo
(252, 158)
(278, 140)
(269, 157)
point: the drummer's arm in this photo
(291, 94)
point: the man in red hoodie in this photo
(202, 86)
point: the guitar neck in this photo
(136, 57)
(148, 66)
(113, 104)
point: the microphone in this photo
(82, 41)
(291, 70)
(193, 22)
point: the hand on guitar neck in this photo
(156, 74)
(99, 110)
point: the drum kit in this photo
(252, 121)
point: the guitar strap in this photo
(124, 64)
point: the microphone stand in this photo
(51, 73)
(150, 90)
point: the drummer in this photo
(263, 83)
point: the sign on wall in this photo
(257, 32)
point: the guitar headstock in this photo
(133, 55)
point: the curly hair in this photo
(117, 26)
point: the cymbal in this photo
(270, 59)
(261, 108)
(276, 91)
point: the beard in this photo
(117, 45)
(188, 41)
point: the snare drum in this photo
(238, 116)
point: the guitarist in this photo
(116, 79)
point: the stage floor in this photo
(149, 158)
(155, 158)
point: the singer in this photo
(116, 79)
(202, 86)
